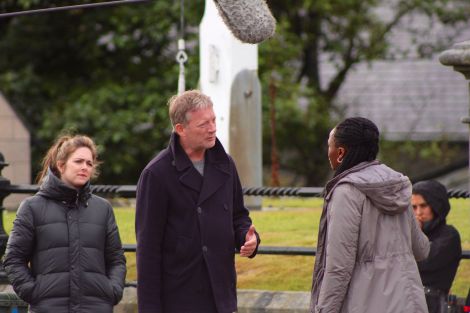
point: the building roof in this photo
(411, 95)
(409, 99)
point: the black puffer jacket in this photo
(64, 253)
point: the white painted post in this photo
(222, 58)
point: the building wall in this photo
(15, 147)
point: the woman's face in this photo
(78, 168)
(335, 154)
(421, 208)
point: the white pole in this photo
(222, 58)
(228, 74)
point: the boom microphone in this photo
(250, 21)
(71, 7)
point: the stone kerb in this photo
(249, 301)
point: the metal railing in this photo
(129, 191)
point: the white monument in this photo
(228, 74)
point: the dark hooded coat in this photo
(439, 268)
(64, 254)
(188, 227)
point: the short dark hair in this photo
(360, 137)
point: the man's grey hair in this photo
(182, 104)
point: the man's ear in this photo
(179, 129)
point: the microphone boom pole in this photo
(72, 7)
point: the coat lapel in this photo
(188, 175)
(192, 179)
(215, 175)
(216, 169)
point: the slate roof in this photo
(410, 97)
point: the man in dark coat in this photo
(431, 206)
(191, 218)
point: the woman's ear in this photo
(60, 166)
(341, 154)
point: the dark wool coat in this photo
(64, 253)
(188, 227)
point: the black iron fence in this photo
(129, 191)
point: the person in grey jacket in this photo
(368, 240)
(64, 253)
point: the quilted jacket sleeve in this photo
(115, 260)
(19, 251)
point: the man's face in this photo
(199, 131)
(421, 208)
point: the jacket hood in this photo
(54, 188)
(435, 194)
(388, 190)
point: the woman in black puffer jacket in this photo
(64, 253)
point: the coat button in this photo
(199, 210)
(204, 249)
(225, 207)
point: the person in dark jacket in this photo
(431, 206)
(190, 218)
(64, 254)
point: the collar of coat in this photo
(53, 187)
(214, 155)
(335, 180)
(216, 168)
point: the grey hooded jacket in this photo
(64, 253)
(367, 245)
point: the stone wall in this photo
(249, 301)
(15, 147)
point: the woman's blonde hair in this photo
(61, 150)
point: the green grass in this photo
(291, 222)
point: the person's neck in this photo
(71, 186)
(193, 154)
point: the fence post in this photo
(4, 183)
(458, 56)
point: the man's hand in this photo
(250, 243)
